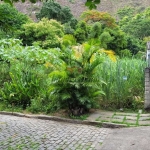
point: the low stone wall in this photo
(147, 88)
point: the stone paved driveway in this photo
(19, 133)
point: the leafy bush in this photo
(70, 26)
(114, 39)
(96, 30)
(28, 72)
(125, 53)
(81, 32)
(134, 44)
(68, 40)
(46, 33)
(25, 85)
(11, 19)
(105, 39)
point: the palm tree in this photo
(75, 86)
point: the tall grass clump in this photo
(125, 83)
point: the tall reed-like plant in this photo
(125, 81)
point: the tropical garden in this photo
(60, 62)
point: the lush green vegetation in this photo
(47, 80)
(10, 20)
(90, 63)
(46, 33)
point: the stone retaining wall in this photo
(147, 89)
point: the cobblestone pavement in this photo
(20, 133)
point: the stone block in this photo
(130, 121)
(104, 118)
(131, 114)
(147, 88)
(147, 104)
(144, 118)
(144, 122)
(126, 114)
(147, 75)
(147, 70)
(131, 118)
(147, 79)
(147, 84)
(117, 120)
(147, 97)
(147, 92)
(144, 115)
(118, 117)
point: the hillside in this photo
(77, 7)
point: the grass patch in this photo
(137, 121)
(118, 122)
(113, 114)
(21, 145)
(124, 119)
(10, 108)
(124, 114)
(97, 119)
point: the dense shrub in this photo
(114, 39)
(46, 33)
(53, 10)
(11, 19)
(134, 44)
(24, 73)
(96, 30)
(81, 32)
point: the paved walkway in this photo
(128, 119)
(136, 138)
(20, 133)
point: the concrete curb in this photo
(54, 118)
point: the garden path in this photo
(122, 118)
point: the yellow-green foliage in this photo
(46, 33)
(68, 40)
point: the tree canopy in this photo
(135, 24)
(11, 19)
(53, 10)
